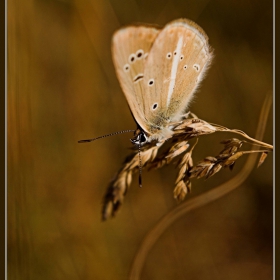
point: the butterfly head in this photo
(139, 138)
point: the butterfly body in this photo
(159, 71)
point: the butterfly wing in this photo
(130, 48)
(175, 66)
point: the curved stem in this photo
(198, 201)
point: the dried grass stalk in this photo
(117, 189)
(190, 127)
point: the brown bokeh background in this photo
(62, 88)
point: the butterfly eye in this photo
(196, 67)
(126, 68)
(139, 54)
(155, 106)
(185, 67)
(139, 139)
(151, 82)
(132, 58)
(169, 55)
(143, 138)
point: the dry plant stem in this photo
(184, 130)
(237, 131)
(199, 201)
(117, 189)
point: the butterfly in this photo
(159, 72)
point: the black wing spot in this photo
(132, 58)
(196, 67)
(138, 78)
(139, 54)
(126, 67)
(169, 55)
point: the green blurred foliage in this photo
(62, 88)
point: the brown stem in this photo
(240, 132)
(198, 201)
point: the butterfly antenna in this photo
(140, 166)
(106, 135)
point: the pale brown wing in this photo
(130, 48)
(175, 66)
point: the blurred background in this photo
(62, 88)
